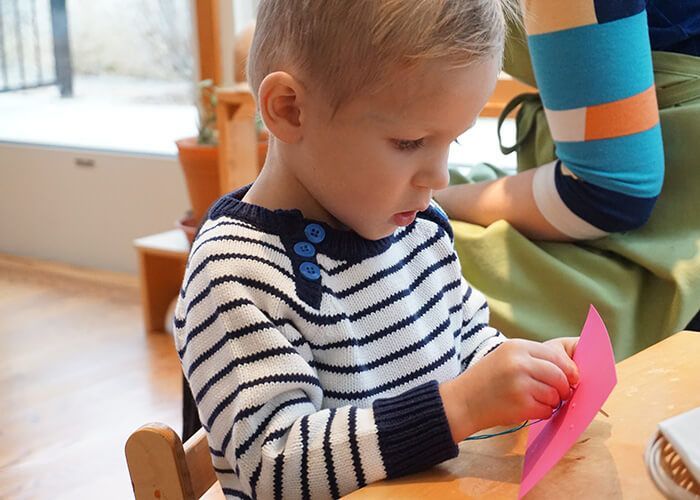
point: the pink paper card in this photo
(549, 440)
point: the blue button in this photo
(310, 271)
(304, 249)
(315, 233)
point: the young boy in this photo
(323, 325)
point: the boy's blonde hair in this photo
(344, 47)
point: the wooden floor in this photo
(77, 376)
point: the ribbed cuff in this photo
(413, 430)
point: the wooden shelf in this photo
(238, 139)
(162, 260)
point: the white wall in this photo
(53, 209)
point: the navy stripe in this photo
(279, 465)
(247, 412)
(347, 265)
(317, 318)
(409, 377)
(404, 351)
(232, 256)
(254, 477)
(467, 294)
(328, 455)
(337, 294)
(354, 450)
(223, 471)
(235, 493)
(310, 317)
(268, 379)
(384, 332)
(275, 435)
(226, 440)
(198, 236)
(226, 306)
(468, 360)
(237, 362)
(388, 271)
(388, 330)
(237, 223)
(304, 424)
(243, 239)
(240, 450)
(473, 330)
(216, 452)
(236, 334)
(406, 291)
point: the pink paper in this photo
(548, 441)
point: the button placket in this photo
(306, 250)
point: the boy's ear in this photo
(280, 106)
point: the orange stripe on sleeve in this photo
(624, 117)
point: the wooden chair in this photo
(161, 467)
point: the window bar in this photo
(20, 48)
(37, 44)
(61, 47)
(3, 60)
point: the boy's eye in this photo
(407, 145)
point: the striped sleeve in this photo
(593, 66)
(477, 338)
(261, 402)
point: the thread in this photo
(527, 423)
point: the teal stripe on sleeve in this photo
(631, 165)
(592, 64)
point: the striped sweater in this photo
(314, 355)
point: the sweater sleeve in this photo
(261, 403)
(477, 338)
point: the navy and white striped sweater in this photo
(313, 386)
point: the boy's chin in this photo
(374, 234)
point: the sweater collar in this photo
(338, 244)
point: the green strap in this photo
(524, 125)
(678, 93)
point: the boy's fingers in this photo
(569, 344)
(545, 394)
(555, 353)
(550, 374)
(539, 410)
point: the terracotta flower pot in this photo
(189, 226)
(200, 164)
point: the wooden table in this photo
(606, 462)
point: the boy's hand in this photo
(567, 343)
(520, 380)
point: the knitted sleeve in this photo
(476, 338)
(261, 402)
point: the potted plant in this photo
(199, 158)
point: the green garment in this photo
(645, 283)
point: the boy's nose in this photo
(434, 175)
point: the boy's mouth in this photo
(404, 218)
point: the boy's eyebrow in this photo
(374, 115)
